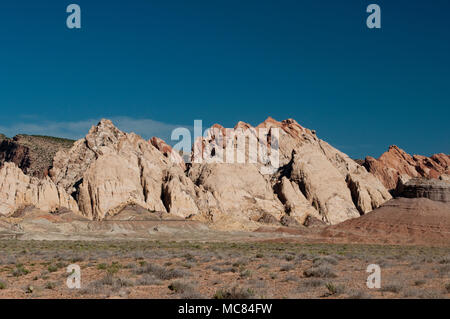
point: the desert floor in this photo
(145, 269)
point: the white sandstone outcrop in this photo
(18, 191)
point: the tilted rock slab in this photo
(396, 162)
(109, 169)
(314, 178)
(18, 191)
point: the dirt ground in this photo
(154, 269)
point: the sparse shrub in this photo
(324, 261)
(334, 289)
(216, 282)
(411, 293)
(52, 268)
(179, 286)
(60, 265)
(240, 262)
(50, 285)
(161, 272)
(189, 257)
(185, 289)
(245, 273)
(312, 283)
(393, 287)
(358, 294)
(130, 266)
(77, 259)
(107, 283)
(289, 257)
(221, 270)
(148, 280)
(187, 265)
(320, 272)
(2, 284)
(113, 268)
(447, 288)
(102, 266)
(419, 282)
(263, 266)
(444, 270)
(257, 284)
(290, 278)
(20, 270)
(286, 267)
(234, 293)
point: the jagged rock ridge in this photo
(109, 169)
(394, 163)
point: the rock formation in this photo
(307, 179)
(18, 191)
(33, 154)
(109, 169)
(168, 152)
(434, 189)
(314, 179)
(396, 162)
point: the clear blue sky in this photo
(157, 63)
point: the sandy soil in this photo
(31, 269)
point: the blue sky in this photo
(154, 65)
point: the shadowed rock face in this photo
(32, 154)
(437, 190)
(396, 162)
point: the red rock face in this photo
(396, 162)
(168, 152)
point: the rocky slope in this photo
(33, 154)
(109, 170)
(413, 221)
(396, 162)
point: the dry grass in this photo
(220, 270)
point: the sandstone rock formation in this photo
(238, 189)
(18, 191)
(168, 152)
(109, 169)
(395, 162)
(313, 179)
(434, 189)
(307, 179)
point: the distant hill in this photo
(32, 153)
